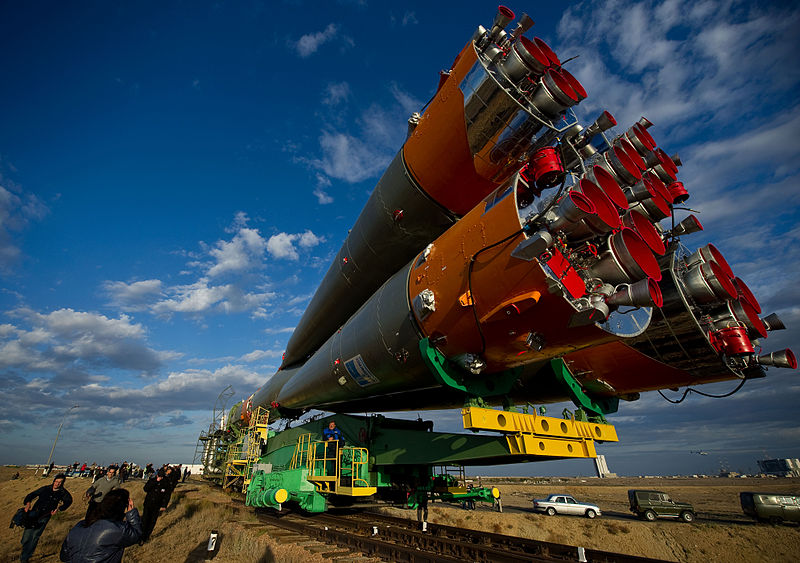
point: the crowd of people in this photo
(112, 522)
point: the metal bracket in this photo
(447, 374)
(596, 408)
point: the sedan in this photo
(565, 504)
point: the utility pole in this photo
(69, 410)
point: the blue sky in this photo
(175, 178)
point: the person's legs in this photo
(149, 518)
(30, 539)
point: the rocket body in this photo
(505, 236)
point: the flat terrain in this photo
(721, 534)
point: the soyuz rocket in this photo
(505, 236)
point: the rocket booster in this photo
(507, 245)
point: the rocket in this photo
(511, 254)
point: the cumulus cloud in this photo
(119, 404)
(308, 44)
(135, 296)
(679, 63)
(232, 275)
(72, 344)
(282, 245)
(202, 297)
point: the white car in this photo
(565, 504)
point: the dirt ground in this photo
(721, 534)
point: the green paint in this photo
(449, 375)
(595, 408)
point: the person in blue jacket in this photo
(104, 534)
(334, 440)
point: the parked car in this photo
(655, 504)
(771, 507)
(565, 504)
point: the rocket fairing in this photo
(504, 237)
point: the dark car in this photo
(655, 504)
(771, 507)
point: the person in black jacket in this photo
(105, 534)
(50, 499)
(155, 502)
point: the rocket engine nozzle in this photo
(747, 295)
(501, 20)
(620, 165)
(573, 207)
(641, 139)
(628, 259)
(686, 227)
(643, 293)
(645, 229)
(773, 322)
(554, 94)
(524, 59)
(708, 283)
(781, 359)
(710, 253)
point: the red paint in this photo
(745, 293)
(606, 211)
(547, 168)
(548, 52)
(645, 229)
(610, 187)
(678, 193)
(731, 341)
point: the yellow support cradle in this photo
(531, 434)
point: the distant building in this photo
(780, 467)
(601, 467)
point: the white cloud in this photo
(336, 93)
(349, 158)
(257, 355)
(136, 296)
(320, 191)
(679, 64)
(72, 343)
(17, 211)
(200, 297)
(242, 253)
(282, 245)
(308, 44)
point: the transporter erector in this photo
(509, 255)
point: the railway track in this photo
(370, 536)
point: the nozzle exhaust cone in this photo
(644, 293)
(783, 359)
(686, 227)
(773, 322)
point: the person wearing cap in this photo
(49, 500)
(100, 488)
